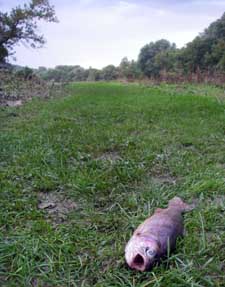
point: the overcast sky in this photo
(99, 32)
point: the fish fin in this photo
(178, 202)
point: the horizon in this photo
(95, 34)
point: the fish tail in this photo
(178, 202)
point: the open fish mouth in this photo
(138, 262)
(141, 252)
(156, 235)
(141, 263)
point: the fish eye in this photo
(149, 252)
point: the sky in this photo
(97, 33)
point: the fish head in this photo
(141, 252)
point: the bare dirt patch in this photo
(220, 165)
(136, 133)
(14, 103)
(111, 156)
(56, 206)
(160, 176)
(36, 282)
(218, 201)
(164, 179)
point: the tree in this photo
(129, 69)
(93, 75)
(124, 67)
(20, 25)
(206, 51)
(148, 59)
(25, 73)
(79, 74)
(193, 56)
(110, 73)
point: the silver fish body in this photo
(158, 233)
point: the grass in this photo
(118, 152)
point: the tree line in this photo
(156, 60)
(204, 55)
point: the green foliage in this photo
(109, 73)
(93, 75)
(20, 24)
(129, 69)
(25, 73)
(3, 53)
(77, 74)
(155, 57)
(118, 151)
(207, 51)
(63, 73)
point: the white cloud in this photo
(126, 6)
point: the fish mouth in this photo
(138, 262)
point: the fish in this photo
(156, 236)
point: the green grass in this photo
(118, 152)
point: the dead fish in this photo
(156, 235)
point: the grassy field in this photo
(78, 174)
